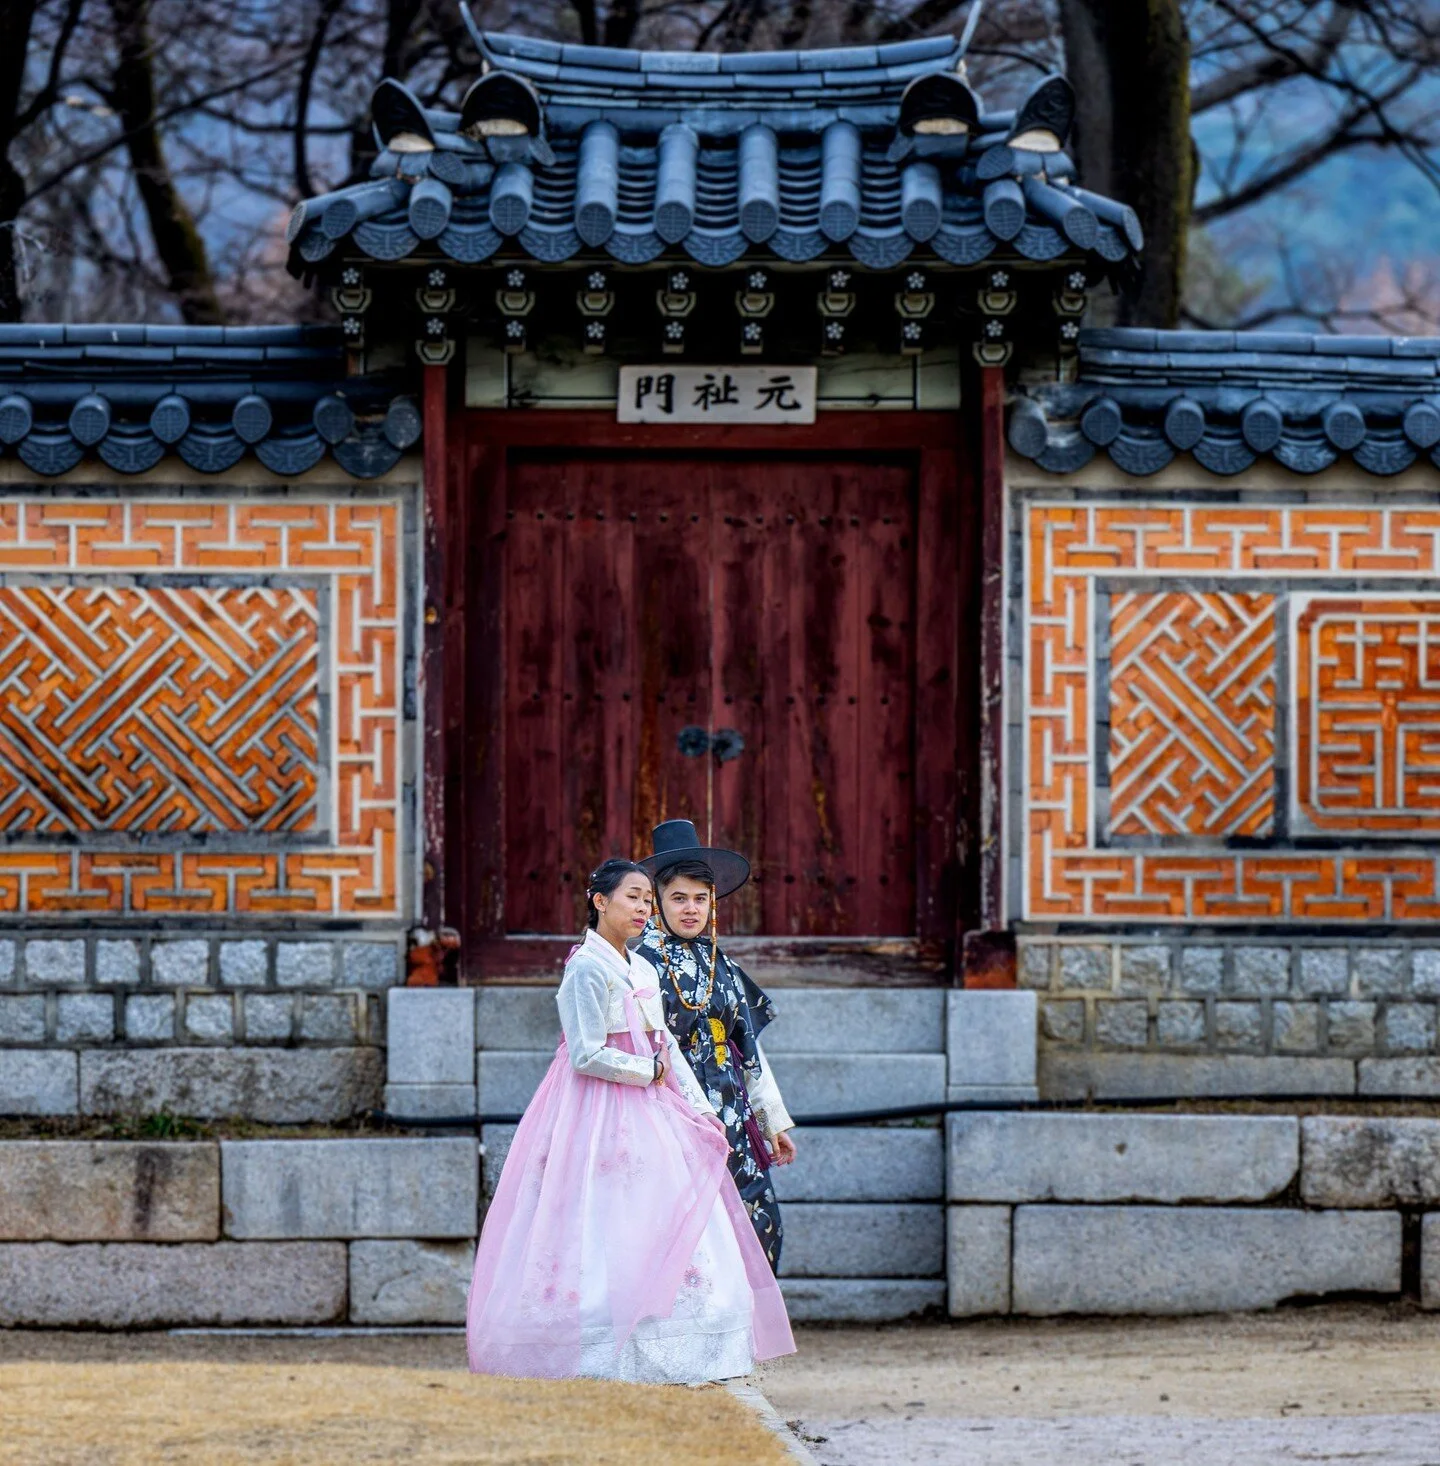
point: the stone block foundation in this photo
(1115, 1213)
(1204, 1015)
(1046, 1214)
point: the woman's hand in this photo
(782, 1149)
(662, 1065)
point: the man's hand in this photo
(782, 1149)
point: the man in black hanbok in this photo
(717, 1013)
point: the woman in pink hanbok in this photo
(617, 1246)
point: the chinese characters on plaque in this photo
(747, 394)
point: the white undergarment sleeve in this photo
(765, 1098)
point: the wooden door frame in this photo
(464, 763)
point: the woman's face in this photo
(686, 904)
(624, 912)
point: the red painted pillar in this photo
(989, 953)
(425, 961)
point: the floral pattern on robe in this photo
(721, 1041)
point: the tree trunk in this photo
(1130, 63)
(16, 19)
(178, 244)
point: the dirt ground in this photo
(141, 1400)
(1354, 1383)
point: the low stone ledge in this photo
(506, 1079)
(1364, 1161)
(823, 1084)
(978, 1260)
(859, 1240)
(430, 1036)
(517, 1018)
(1175, 1260)
(272, 1086)
(857, 1020)
(126, 1285)
(1119, 1157)
(864, 1163)
(108, 1191)
(990, 1044)
(39, 1082)
(860, 1300)
(349, 1188)
(397, 1283)
(1400, 1078)
(1068, 1074)
(429, 1101)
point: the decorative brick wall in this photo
(203, 711)
(207, 777)
(1225, 731)
(1177, 661)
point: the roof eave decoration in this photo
(877, 152)
(129, 396)
(1230, 398)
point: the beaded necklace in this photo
(670, 972)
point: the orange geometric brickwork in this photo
(1192, 714)
(1075, 552)
(182, 710)
(1367, 723)
(183, 713)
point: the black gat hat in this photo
(678, 840)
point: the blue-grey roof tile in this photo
(1293, 396)
(1125, 338)
(753, 61)
(526, 46)
(1352, 346)
(797, 95)
(606, 58)
(839, 58)
(702, 62)
(926, 48)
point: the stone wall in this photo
(125, 1235)
(1196, 1015)
(207, 767)
(274, 1028)
(1221, 821)
(1002, 1213)
(1136, 1213)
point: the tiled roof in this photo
(1228, 398)
(208, 394)
(794, 154)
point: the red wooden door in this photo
(728, 639)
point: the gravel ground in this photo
(1354, 1383)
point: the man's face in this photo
(687, 906)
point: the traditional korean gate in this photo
(730, 637)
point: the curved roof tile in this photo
(787, 153)
(209, 394)
(1229, 397)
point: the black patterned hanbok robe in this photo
(722, 1042)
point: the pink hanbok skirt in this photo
(617, 1245)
